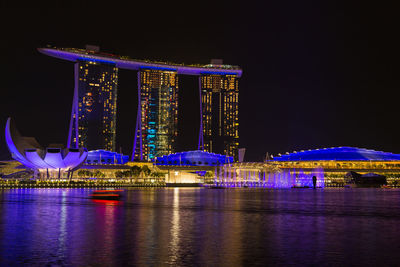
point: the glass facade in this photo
(194, 158)
(97, 99)
(220, 113)
(93, 116)
(343, 153)
(158, 128)
(338, 161)
(105, 157)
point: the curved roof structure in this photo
(28, 151)
(105, 157)
(342, 153)
(73, 54)
(194, 158)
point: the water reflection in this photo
(61, 252)
(107, 202)
(105, 227)
(174, 243)
(202, 227)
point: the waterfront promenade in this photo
(127, 184)
(73, 184)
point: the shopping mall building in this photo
(336, 162)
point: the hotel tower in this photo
(157, 122)
(93, 116)
(220, 111)
(97, 105)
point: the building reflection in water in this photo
(220, 220)
(141, 226)
(106, 212)
(149, 225)
(231, 239)
(175, 228)
(199, 227)
(62, 238)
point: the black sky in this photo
(315, 74)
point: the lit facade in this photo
(105, 157)
(51, 162)
(194, 158)
(191, 167)
(97, 97)
(329, 165)
(338, 161)
(157, 117)
(157, 122)
(220, 114)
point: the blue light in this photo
(217, 73)
(96, 60)
(157, 68)
(106, 157)
(339, 153)
(194, 158)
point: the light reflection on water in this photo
(174, 244)
(61, 252)
(202, 227)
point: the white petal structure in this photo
(32, 156)
(27, 151)
(73, 156)
(54, 158)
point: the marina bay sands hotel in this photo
(93, 116)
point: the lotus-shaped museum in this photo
(50, 162)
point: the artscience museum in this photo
(53, 162)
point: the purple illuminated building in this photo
(50, 162)
(156, 123)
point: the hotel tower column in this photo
(138, 129)
(73, 124)
(201, 138)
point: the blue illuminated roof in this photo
(338, 153)
(194, 158)
(105, 157)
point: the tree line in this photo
(133, 172)
(136, 171)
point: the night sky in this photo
(315, 74)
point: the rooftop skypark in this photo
(125, 62)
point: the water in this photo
(200, 227)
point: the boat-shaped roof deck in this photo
(123, 62)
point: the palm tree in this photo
(135, 171)
(146, 170)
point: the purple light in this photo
(136, 65)
(201, 138)
(52, 158)
(280, 180)
(15, 154)
(74, 112)
(39, 163)
(55, 160)
(71, 158)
